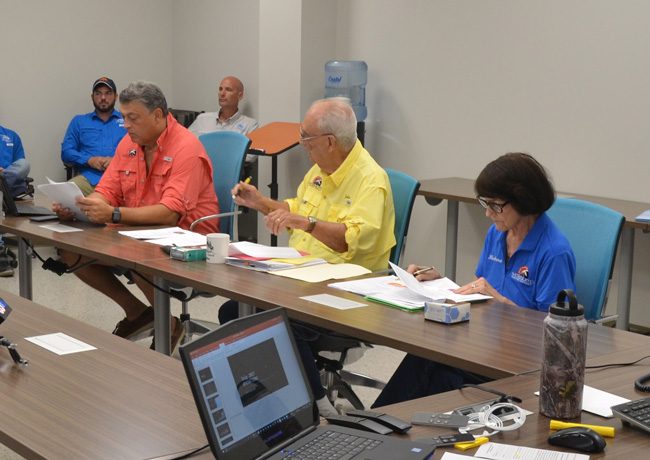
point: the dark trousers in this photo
(418, 377)
(304, 335)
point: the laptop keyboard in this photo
(332, 445)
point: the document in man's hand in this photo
(66, 194)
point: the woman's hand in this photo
(425, 273)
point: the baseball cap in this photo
(106, 82)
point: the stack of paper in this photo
(267, 258)
(66, 194)
(171, 236)
(404, 291)
(643, 217)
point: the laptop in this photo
(17, 209)
(255, 402)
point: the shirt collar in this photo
(532, 238)
(345, 167)
(115, 114)
(232, 119)
(162, 139)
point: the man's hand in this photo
(63, 213)
(247, 195)
(281, 219)
(99, 163)
(97, 209)
(425, 275)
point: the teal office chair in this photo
(405, 189)
(227, 151)
(336, 380)
(593, 231)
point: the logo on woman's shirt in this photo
(521, 276)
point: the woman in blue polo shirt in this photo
(526, 261)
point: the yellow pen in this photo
(471, 444)
(607, 431)
(246, 181)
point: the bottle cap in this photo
(560, 307)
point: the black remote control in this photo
(437, 419)
(447, 439)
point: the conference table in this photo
(120, 400)
(629, 443)
(460, 190)
(499, 341)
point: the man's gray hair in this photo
(339, 120)
(145, 92)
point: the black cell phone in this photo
(43, 218)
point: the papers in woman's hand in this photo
(65, 193)
(404, 291)
(442, 288)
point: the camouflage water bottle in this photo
(563, 360)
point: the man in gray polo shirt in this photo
(228, 118)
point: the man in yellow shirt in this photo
(343, 211)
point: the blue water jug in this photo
(348, 79)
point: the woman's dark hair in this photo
(519, 179)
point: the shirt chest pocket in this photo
(90, 137)
(310, 202)
(128, 184)
(160, 176)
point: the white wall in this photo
(455, 83)
(52, 52)
(212, 39)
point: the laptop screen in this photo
(249, 385)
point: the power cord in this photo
(189, 454)
(178, 295)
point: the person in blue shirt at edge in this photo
(526, 261)
(90, 141)
(14, 167)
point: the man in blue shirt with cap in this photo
(91, 138)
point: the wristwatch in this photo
(312, 223)
(117, 216)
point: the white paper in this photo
(66, 194)
(497, 451)
(170, 236)
(598, 402)
(262, 251)
(61, 228)
(333, 301)
(643, 217)
(60, 343)
(322, 272)
(149, 234)
(435, 289)
(182, 240)
(453, 456)
(366, 286)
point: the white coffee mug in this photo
(217, 247)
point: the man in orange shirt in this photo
(160, 175)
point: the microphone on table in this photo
(5, 311)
